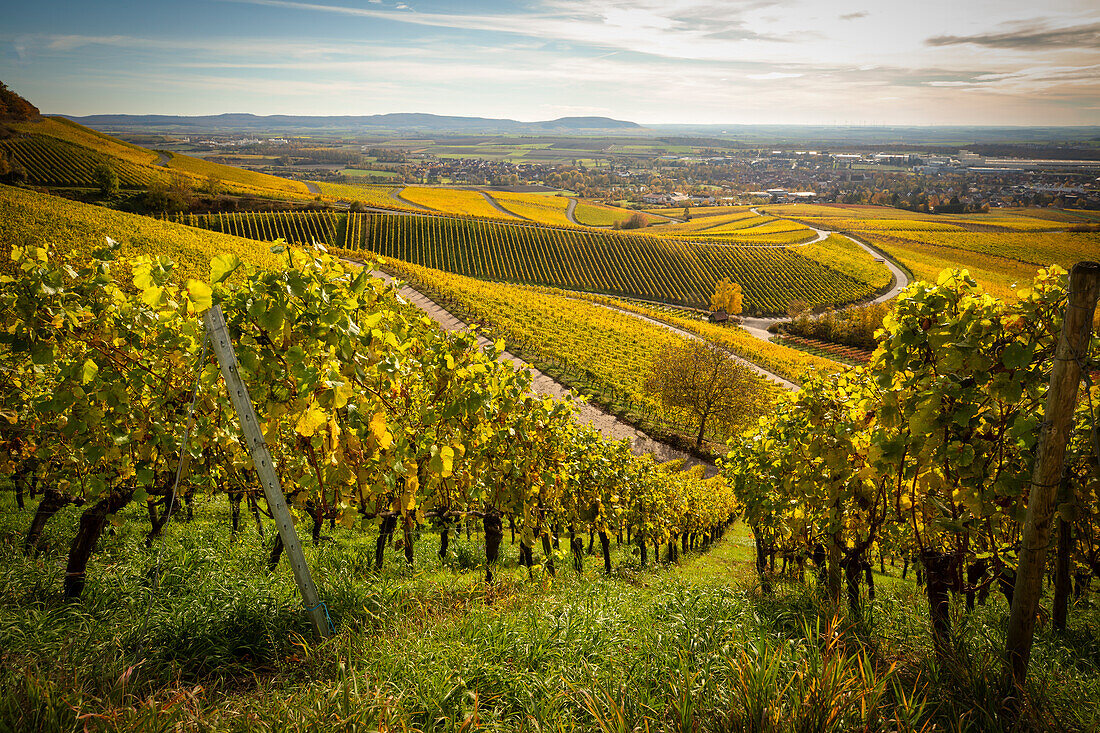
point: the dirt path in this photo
(608, 425)
(496, 205)
(163, 159)
(313, 188)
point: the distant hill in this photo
(396, 121)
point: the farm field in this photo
(999, 249)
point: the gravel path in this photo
(609, 425)
(496, 205)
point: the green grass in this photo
(688, 647)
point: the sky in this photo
(845, 62)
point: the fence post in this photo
(265, 467)
(1073, 344)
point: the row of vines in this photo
(373, 418)
(575, 259)
(50, 161)
(927, 454)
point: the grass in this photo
(692, 647)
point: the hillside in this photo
(30, 219)
(57, 152)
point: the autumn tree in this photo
(106, 179)
(727, 297)
(703, 381)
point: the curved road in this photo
(608, 425)
(496, 205)
(758, 327)
(569, 209)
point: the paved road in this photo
(569, 209)
(608, 425)
(496, 205)
(758, 327)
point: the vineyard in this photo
(619, 264)
(59, 152)
(54, 162)
(794, 366)
(437, 432)
(416, 465)
(569, 336)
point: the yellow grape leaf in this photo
(201, 295)
(378, 430)
(89, 371)
(342, 394)
(447, 457)
(310, 420)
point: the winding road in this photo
(569, 209)
(758, 327)
(496, 205)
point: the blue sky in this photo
(676, 61)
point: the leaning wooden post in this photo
(1084, 283)
(265, 468)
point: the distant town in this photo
(964, 181)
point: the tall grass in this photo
(694, 647)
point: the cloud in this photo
(1036, 37)
(854, 16)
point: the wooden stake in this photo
(265, 468)
(1084, 284)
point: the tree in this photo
(213, 185)
(727, 297)
(106, 178)
(704, 381)
(687, 213)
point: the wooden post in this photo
(1084, 283)
(265, 468)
